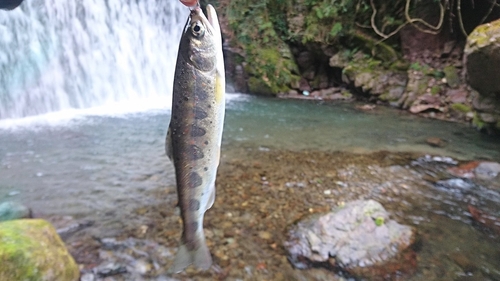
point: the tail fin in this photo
(200, 257)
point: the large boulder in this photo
(359, 238)
(482, 61)
(30, 249)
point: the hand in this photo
(189, 3)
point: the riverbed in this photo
(105, 178)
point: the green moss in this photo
(460, 107)
(31, 250)
(379, 221)
(435, 90)
(451, 75)
(477, 122)
(482, 35)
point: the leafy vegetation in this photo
(264, 30)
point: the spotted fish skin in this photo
(195, 131)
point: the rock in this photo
(359, 238)
(487, 170)
(456, 96)
(418, 108)
(30, 249)
(482, 57)
(485, 219)
(455, 184)
(13, 211)
(109, 269)
(366, 107)
(435, 142)
(465, 170)
(370, 77)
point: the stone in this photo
(487, 170)
(482, 57)
(30, 249)
(13, 211)
(435, 142)
(485, 219)
(359, 236)
(456, 95)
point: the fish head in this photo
(198, 44)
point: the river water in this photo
(102, 167)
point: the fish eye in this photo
(197, 29)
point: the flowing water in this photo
(59, 55)
(85, 88)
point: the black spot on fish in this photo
(209, 106)
(195, 180)
(197, 131)
(206, 142)
(186, 98)
(205, 169)
(196, 152)
(199, 113)
(194, 205)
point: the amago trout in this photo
(195, 131)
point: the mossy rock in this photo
(460, 107)
(482, 56)
(452, 77)
(31, 250)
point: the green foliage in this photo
(270, 63)
(379, 221)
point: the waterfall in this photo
(71, 54)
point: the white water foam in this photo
(62, 55)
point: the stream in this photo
(105, 176)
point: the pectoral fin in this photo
(211, 198)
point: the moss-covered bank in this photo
(392, 52)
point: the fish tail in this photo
(199, 256)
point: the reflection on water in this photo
(312, 125)
(102, 168)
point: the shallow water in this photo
(103, 168)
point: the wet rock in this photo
(435, 142)
(366, 107)
(487, 220)
(360, 238)
(455, 184)
(465, 170)
(110, 269)
(13, 211)
(30, 249)
(487, 170)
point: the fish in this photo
(195, 132)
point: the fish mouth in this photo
(198, 15)
(212, 15)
